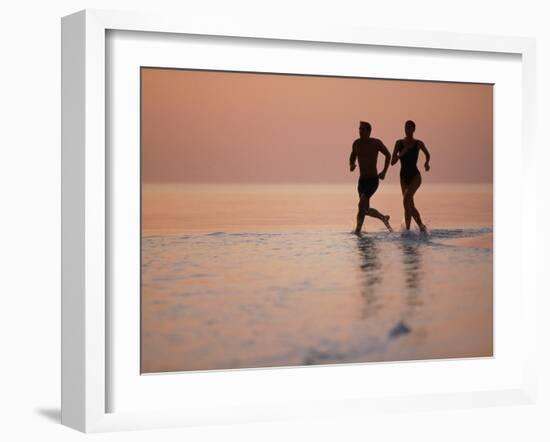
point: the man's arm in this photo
(384, 151)
(353, 157)
(424, 149)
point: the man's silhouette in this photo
(365, 149)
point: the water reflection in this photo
(406, 277)
(413, 273)
(371, 273)
(412, 266)
(370, 264)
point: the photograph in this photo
(293, 220)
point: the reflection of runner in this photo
(371, 275)
(406, 151)
(365, 149)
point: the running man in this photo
(406, 150)
(366, 150)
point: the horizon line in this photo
(325, 183)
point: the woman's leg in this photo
(407, 211)
(408, 201)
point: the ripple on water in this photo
(303, 298)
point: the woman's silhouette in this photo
(406, 150)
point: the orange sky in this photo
(211, 127)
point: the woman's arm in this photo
(424, 149)
(395, 154)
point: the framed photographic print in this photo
(262, 223)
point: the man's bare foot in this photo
(386, 221)
(357, 232)
(423, 228)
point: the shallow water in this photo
(205, 208)
(223, 300)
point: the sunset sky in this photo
(222, 127)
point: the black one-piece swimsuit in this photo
(408, 163)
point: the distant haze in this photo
(222, 127)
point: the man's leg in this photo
(371, 211)
(362, 211)
(365, 209)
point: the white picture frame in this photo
(86, 202)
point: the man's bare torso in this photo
(367, 156)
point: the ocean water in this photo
(270, 276)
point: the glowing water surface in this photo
(258, 277)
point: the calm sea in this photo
(237, 276)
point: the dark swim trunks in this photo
(367, 186)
